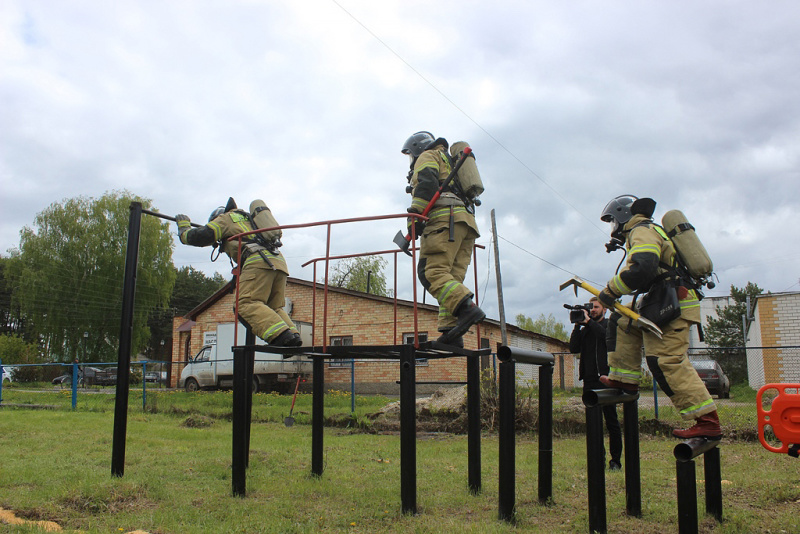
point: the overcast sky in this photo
(307, 104)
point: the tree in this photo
(191, 288)
(67, 275)
(10, 318)
(547, 326)
(357, 273)
(725, 331)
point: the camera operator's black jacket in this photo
(589, 341)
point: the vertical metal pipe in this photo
(75, 385)
(633, 480)
(317, 415)
(394, 334)
(238, 454)
(144, 386)
(545, 433)
(325, 291)
(314, 308)
(506, 441)
(687, 497)
(125, 341)
(408, 430)
(595, 469)
(474, 423)
(352, 385)
(713, 474)
(250, 357)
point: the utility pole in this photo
(500, 306)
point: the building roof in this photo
(192, 315)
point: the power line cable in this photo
(460, 110)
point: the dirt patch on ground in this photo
(9, 518)
(446, 411)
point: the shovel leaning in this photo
(289, 421)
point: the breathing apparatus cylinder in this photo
(688, 245)
(262, 218)
(469, 179)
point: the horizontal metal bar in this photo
(534, 357)
(692, 448)
(604, 397)
(428, 350)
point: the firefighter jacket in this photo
(431, 169)
(650, 254)
(229, 224)
(589, 340)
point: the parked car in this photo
(87, 376)
(65, 380)
(713, 377)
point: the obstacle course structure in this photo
(508, 357)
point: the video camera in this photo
(576, 312)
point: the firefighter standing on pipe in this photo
(262, 272)
(651, 256)
(447, 239)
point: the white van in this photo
(212, 366)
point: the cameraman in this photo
(589, 340)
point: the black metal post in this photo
(125, 337)
(633, 476)
(408, 430)
(713, 474)
(317, 415)
(474, 424)
(685, 453)
(545, 433)
(594, 400)
(239, 441)
(506, 441)
(250, 357)
(687, 497)
(595, 468)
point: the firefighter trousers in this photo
(262, 300)
(442, 267)
(667, 359)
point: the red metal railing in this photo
(327, 258)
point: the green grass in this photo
(56, 465)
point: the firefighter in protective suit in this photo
(262, 273)
(444, 255)
(651, 254)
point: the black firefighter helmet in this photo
(231, 205)
(620, 210)
(417, 144)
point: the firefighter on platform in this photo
(262, 272)
(446, 240)
(651, 256)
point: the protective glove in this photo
(184, 224)
(607, 298)
(417, 224)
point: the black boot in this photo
(456, 342)
(467, 314)
(296, 340)
(284, 339)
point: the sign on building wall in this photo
(209, 338)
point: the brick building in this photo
(357, 318)
(773, 339)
